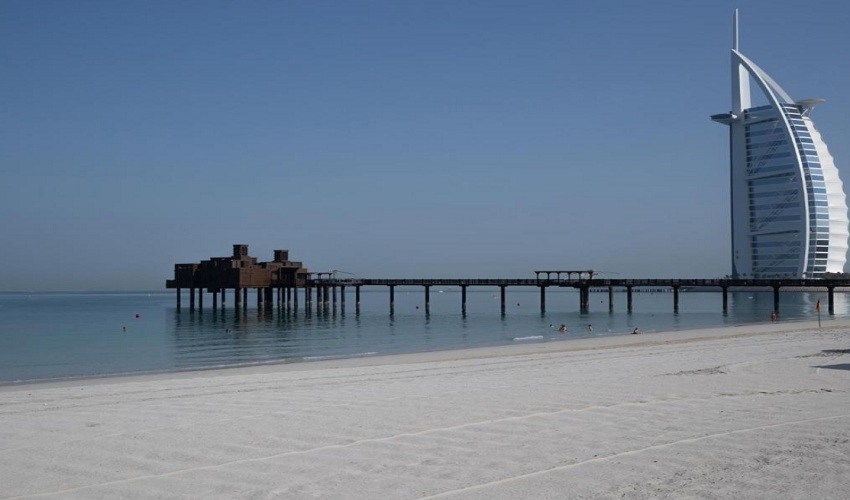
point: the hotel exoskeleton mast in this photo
(789, 210)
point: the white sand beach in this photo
(739, 412)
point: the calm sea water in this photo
(45, 336)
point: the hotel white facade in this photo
(789, 210)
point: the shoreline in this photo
(72, 339)
(518, 349)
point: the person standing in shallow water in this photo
(563, 328)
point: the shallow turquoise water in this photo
(60, 335)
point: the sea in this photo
(57, 336)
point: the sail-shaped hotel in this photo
(789, 210)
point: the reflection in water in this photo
(85, 334)
(288, 334)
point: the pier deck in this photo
(240, 272)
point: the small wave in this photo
(532, 337)
(339, 356)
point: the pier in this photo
(585, 284)
(278, 283)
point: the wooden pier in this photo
(286, 278)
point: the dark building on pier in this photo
(240, 271)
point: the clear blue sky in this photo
(386, 139)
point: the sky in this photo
(386, 139)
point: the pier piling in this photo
(502, 295)
(584, 299)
